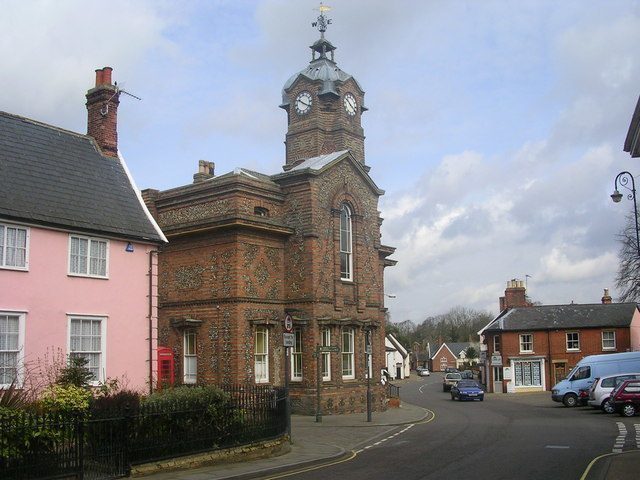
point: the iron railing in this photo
(104, 444)
(393, 391)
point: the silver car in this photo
(602, 388)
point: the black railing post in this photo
(127, 432)
(79, 419)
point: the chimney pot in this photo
(606, 298)
(106, 75)
(98, 76)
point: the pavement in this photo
(339, 437)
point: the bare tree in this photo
(628, 276)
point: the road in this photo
(523, 436)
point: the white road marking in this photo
(637, 427)
(379, 442)
(618, 444)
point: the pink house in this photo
(77, 249)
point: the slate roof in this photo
(321, 70)
(551, 317)
(632, 141)
(56, 178)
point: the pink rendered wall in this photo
(635, 332)
(48, 294)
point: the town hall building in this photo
(247, 249)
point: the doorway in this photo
(559, 372)
(497, 380)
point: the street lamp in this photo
(623, 179)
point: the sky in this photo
(496, 128)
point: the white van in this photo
(590, 368)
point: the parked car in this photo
(423, 371)
(583, 396)
(450, 370)
(626, 398)
(600, 391)
(467, 374)
(449, 380)
(467, 390)
(589, 368)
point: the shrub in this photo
(65, 398)
(75, 373)
(201, 417)
(116, 402)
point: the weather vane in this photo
(322, 20)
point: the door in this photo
(559, 372)
(497, 380)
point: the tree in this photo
(471, 353)
(628, 276)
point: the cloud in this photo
(557, 266)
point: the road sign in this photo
(288, 324)
(328, 348)
(289, 339)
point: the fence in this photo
(393, 391)
(104, 444)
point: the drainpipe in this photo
(549, 351)
(152, 254)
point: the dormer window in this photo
(261, 211)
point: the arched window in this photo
(346, 260)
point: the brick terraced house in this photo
(530, 348)
(247, 249)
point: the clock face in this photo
(303, 103)
(350, 104)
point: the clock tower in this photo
(324, 106)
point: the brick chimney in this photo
(102, 107)
(606, 298)
(205, 171)
(514, 295)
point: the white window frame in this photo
(348, 354)
(261, 357)
(325, 341)
(522, 342)
(603, 340)
(87, 271)
(102, 363)
(496, 343)
(18, 350)
(572, 341)
(190, 357)
(4, 247)
(346, 243)
(296, 356)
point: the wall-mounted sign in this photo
(496, 360)
(289, 339)
(288, 324)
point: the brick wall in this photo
(552, 345)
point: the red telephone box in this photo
(165, 367)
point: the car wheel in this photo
(608, 406)
(570, 400)
(629, 410)
(444, 389)
(482, 399)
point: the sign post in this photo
(369, 368)
(318, 356)
(288, 342)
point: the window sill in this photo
(80, 275)
(15, 269)
(573, 350)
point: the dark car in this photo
(450, 370)
(467, 390)
(626, 398)
(468, 374)
(449, 380)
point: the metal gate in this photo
(103, 447)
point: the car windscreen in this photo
(467, 384)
